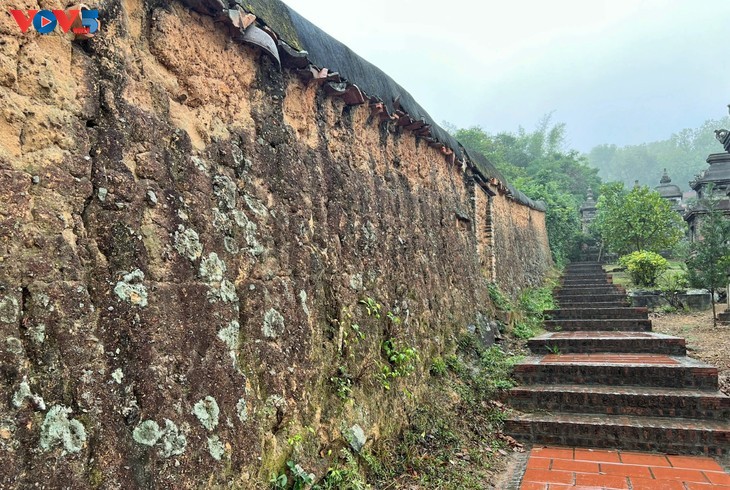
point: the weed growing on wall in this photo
(453, 436)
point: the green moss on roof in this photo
(276, 15)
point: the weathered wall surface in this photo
(520, 244)
(185, 234)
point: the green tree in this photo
(709, 257)
(561, 217)
(637, 220)
(683, 154)
(537, 163)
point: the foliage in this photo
(371, 306)
(500, 301)
(438, 367)
(672, 283)
(637, 220)
(523, 330)
(529, 314)
(538, 164)
(497, 369)
(453, 436)
(562, 218)
(553, 349)
(401, 362)
(344, 476)
(644, 267)
(343, 383)
(536, 300)
(683, 155)
(301, 479)
(279, 481)
(709, 258)
(356, 362)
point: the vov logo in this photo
(82, 21)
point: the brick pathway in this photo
(552, 468)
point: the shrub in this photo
(644, 267)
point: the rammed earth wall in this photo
(185, 233)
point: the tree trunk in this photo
(714, 316)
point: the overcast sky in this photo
(615, 71)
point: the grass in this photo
(452, 439)
(529, 311)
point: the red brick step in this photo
(622, 303)
(617, 369)
(635, 325)
(602, 378)
(590, 290)
(597, 313)
(587, 282)
(626, 400)
(672, 435)
(570, 299)
(599, 278)
(601, 341)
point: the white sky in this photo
(616, 71)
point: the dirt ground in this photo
(704, 342)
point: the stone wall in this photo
(520, 244)
(188, 235)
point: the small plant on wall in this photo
(401, 362)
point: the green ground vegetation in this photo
(453, 438)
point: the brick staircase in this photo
(602, 378)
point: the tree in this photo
(561, 217)
(709, 257)
(683, 154)
(537, 163)
(637, 220)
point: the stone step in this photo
(597, 313)
(623, 303)
(567, 299)
(584, 270)
(625, 400)
(586, 276)
(616, 342)
(593, 281)
(669, 435)
(628, 324)
(617, 369)
(581, 265)
(587, 291)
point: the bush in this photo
(644, 267)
